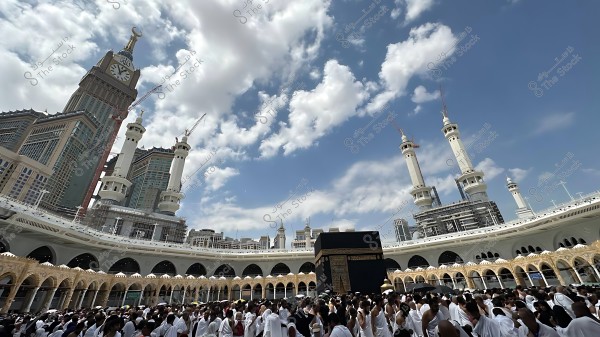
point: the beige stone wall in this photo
(64, 287)
(565, 264)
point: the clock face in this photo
(120, 72)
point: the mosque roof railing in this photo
(59, 221)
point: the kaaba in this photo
(349, 262)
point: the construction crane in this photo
(188, 132)
(118, 117)
(415, 145)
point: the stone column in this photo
(500, 281)
(264, 292)
(10, 299)
(124, 297)
(483, 281)
(577, 274)
(596, 271)
(453, 282)
(529, 278)
(30, 299)
(94, 298)
(184, 291)
(66, 299)
(470, 282)
(196, 294)
(104, 299)
(81, 298)
(48, 300)
(171, 296)
(544, 278)
(141, 298)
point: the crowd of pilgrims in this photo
(536, 312)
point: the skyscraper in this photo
(57, 141)
(149, 174)
(107, 88)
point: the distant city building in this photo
(60, 141)
(132, 223)
(22, 178)
(279, 241)
(305, 238)
(208, 238)
(149, 175)
(15, 126)
(402, 230)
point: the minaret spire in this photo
(471, 180)
(523, 211)
(169, 199)
(114, 187)
(446, 120)
(420, 192)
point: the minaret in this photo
(523, 211)
(420, 192)
(169, 199)
(114, 187)
(471, 180)
(281, 236)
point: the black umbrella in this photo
(421, 287)
(444, 290)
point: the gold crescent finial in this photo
(134, 33)
(132, 40)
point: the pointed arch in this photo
(164, 267)
(84, 261)
(125, 265)
(252, 270)
(43, 254)
(280, 269)
(224, 270)
(449, 257)
(196, 269)
(307, 267)
(417, 261)
(391, 264)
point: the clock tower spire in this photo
(105, 91)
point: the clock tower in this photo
(106, 89)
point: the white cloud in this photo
(414, 8)
(554, 122)
(489, 168)
(591, 171)
(217, 177)
(518, 174)
(409, 58)
(315, 74)
(420, 95)
(416, 111)
(314, 113)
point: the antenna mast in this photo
(444, 108)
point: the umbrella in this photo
(194, 303)
(300, 296)
(444, 290)
(388, 291)
(51, 311)
(162, 303)
(421, 287)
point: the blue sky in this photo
(326, 82)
